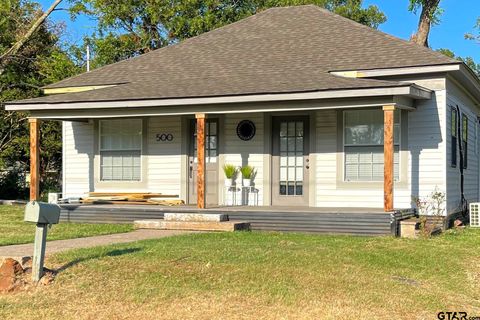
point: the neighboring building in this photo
(318, 89)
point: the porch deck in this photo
(359, 221)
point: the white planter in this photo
(228, 182)
(247, 182)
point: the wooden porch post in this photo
(200, 160)
(34, 159)
(388, 153)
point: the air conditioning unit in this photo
(475, 214)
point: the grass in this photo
(13, 230)
(262, 276)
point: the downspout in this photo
(463, 200)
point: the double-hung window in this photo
(453, 137)
(120, 150)
(465, 140)
(363, 145)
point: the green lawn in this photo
(13, 230)
(254, 275)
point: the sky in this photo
(458, 18)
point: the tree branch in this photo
(21, 42)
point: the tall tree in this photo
(35, 61)
(429, 15)
(128, 28)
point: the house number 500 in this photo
(164, 137)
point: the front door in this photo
(290, 161)
(211, 162)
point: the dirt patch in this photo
(16, 276)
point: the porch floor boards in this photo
(359, 221)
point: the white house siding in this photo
(161, 169)
(333, 193)
(78, 141)
(164, 160)
(239, 152)
(426, 157)
(427, 141)
(456, 96)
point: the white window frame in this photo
(396, 144)
(100, 150)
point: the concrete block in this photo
(195, 217)
(408, 228)
(192, 225)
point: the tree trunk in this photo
(13, 50)
(428, 9)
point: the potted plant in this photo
(230, 171)
(247, 175)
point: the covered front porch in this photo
(309, 152)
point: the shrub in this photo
(13, 186)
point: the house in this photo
(331, 113)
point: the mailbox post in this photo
(43, 214)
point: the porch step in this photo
(192, 225)
(195, 217)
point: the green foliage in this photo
(41, 61)
(475, 35)
(230, 171)
(435, 14)
(247, 172)
(12, 185)
(468, 60)
(129, 28)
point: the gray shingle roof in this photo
(279, 50)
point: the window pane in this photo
(106, 173)
(351, 172)
(299, 129)
(213, 128)
(283, 188)
(299, 189)
(299, 144)
(299, 174)
(291, 188)
(283, 144)
(291, 129)
(127, 173)
(454, 122)
(212, 142)
(291, 144)
(117, 173)
(283, 129)
(365, 127)
(366, 163)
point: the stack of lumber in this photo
(131, 198)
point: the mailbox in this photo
(41, 212)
